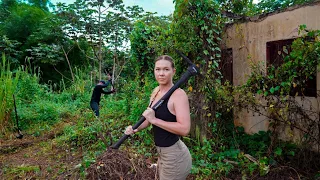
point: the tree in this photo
(10, 50)
(105, 25)
(48, 44)
(42, 4)
(5, 7)
(149, 39)
(22, 21)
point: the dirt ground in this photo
(36, 158)
(41, 158)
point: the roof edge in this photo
(261, 17)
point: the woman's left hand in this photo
(149, 114)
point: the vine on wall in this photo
(294, 112)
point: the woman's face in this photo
(164, 72)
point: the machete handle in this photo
(125, 136)
(15, 110)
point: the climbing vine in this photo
(279, 93)
(197, 27)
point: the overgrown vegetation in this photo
(8, 81)
(53, 86)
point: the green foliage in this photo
(8, 84)
(81, 82)
(46, 41)
(239, 8)
(42, 4)
(39, 107)
(277, 86)
(29, 88)
(134, 102)
(9, 47)
(247, 154)
(83, 134)
(197, 29)
(22, 21)
(51, 54)
(40, 115)
(20, 171)
(142, 55)
(5, 8)
(101, 22)
(266, 6)
(217, 148)
(255, 145)
(247, 8)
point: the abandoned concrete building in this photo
(259, 40)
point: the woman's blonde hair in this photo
(165, 57)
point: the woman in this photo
(171, 121)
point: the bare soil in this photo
(37, 158)
(41, 158)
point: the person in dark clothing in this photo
(169, 123)
(96, 95)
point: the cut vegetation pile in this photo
(116, 164)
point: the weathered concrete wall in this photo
(248, 41)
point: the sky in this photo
(162, 7)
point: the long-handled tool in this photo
(191, 71)
(19, 135)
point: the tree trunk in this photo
(199, 123)
(100, 44)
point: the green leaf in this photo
(272, 90)
(303, 26)
(215, 64)
(206, 52)
(291, 153)
(278, 151)
(285, 49)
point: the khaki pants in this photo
(174, 162)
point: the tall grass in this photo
(8, 85)
(81, 81)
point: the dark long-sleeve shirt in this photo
(98, 89)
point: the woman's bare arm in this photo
(182, 112)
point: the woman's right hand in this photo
(130, 131)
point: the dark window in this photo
(226, 65)
(276, 52)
